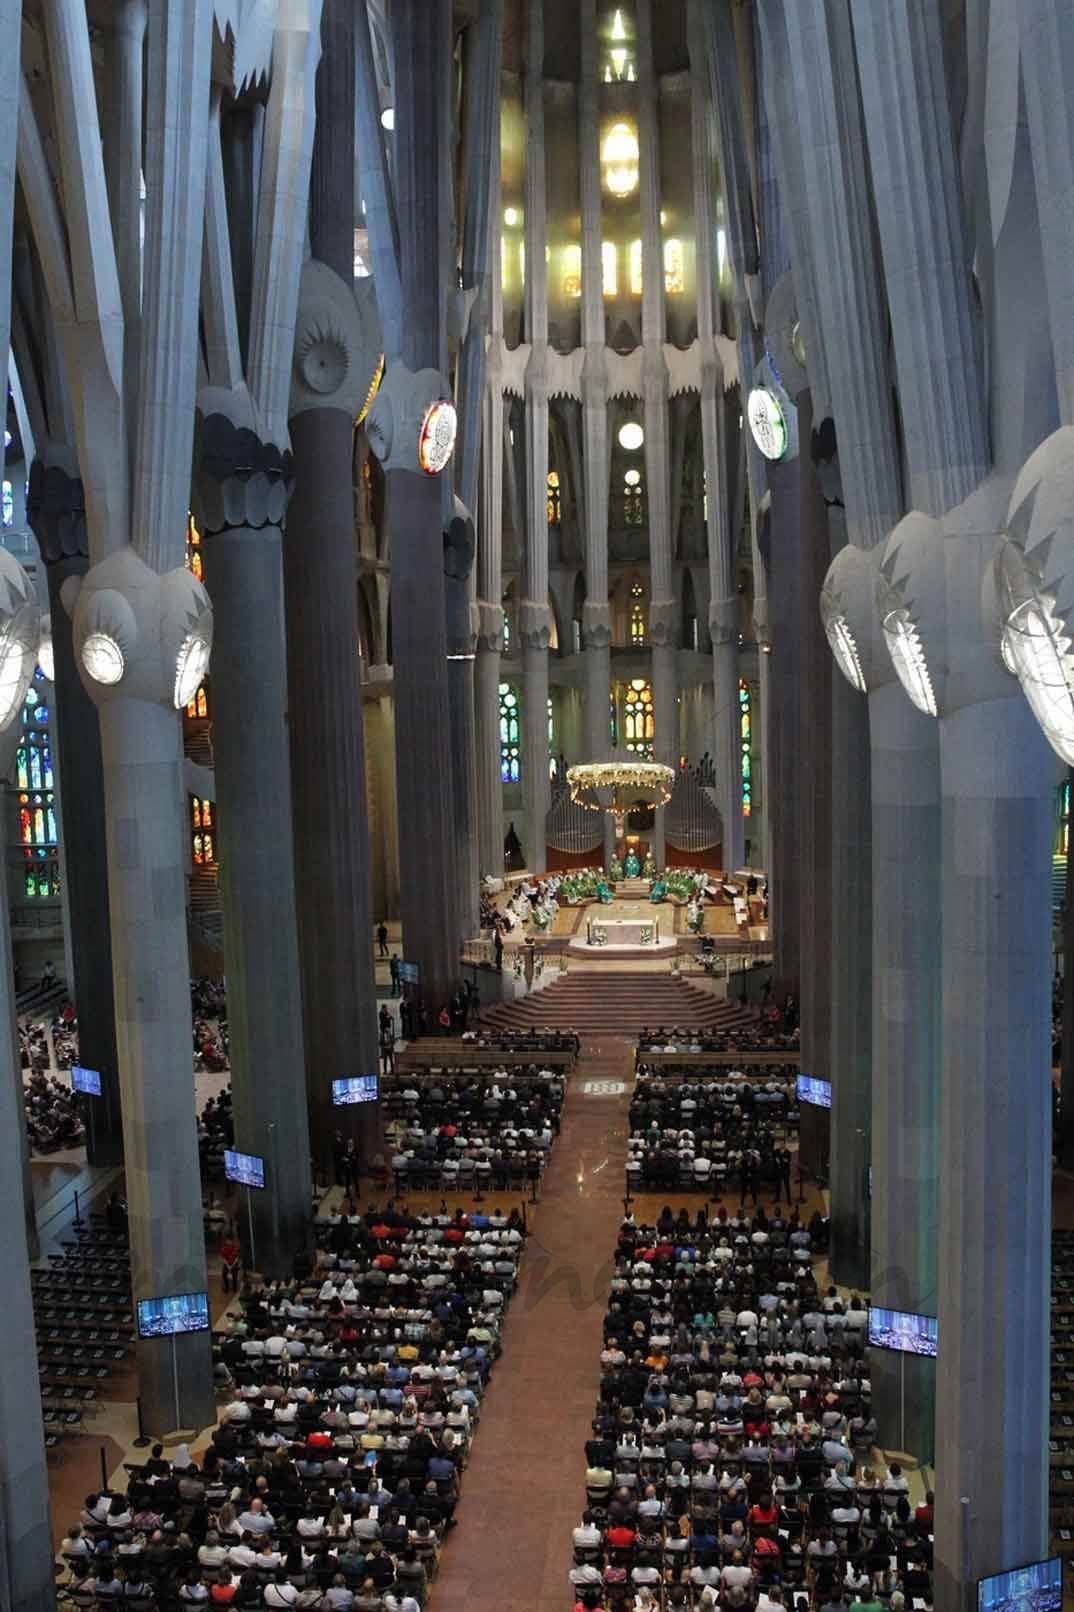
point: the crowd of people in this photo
(473, 1131)
(729, 1463)
(718, 1132)
(350, 1396)
(53, 1115)
(761, 1036)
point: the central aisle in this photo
(524, 1488)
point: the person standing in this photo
(497, 949)
(382, 938)
(393, 970)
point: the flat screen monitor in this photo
(812, 1089)
(245, 1168)
(901, 1330)
(181, 1312)
(1036, 1588)
(87, 1080)
(410, 973)
(355, 1089)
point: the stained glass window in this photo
(613, 722)
(745, 721)
(202, 814)
(637, 614)
(38, 836)
(638, 717)
(572, 271)
(609, 267)
(1064, 818)
(553, 498)
(199, 705)
(635, 268)
(509, 734)
(193, 548)
(552, 763)
(674, 269)
(619, 63)
(9, 504)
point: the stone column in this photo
(723, 605)
(490, 629)
(815, 803)
(27, 1581)
(427, 840)
(1047, 62)
(254, 832)
(785, 738)
(57, 514)
(146, 835)
(480, 229)
(27, 1577)
(996, 778)
(596, 617)
(331, 836)
(535, 617)
(663, 607)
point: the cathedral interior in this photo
(536, 719)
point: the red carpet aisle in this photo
(525, 1483)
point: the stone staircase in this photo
(593, 1003)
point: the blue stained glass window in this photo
(509, 734)
(8, 504)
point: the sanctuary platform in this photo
(625, 926)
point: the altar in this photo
(622, 932)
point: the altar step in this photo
(610, 1003)
(632, 890)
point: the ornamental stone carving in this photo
(596, 625)
(535, 625)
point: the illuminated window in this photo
(522, 263)
(619, 157)
(635, 268)
(193, 548)
(509, 734)
(638, 717)
(9, 504)
(745, 728)
(633, 501)
(553, 498)
(199, 705)
(637, 615)
(609, 268)
(1064, 818)
(613, 721)
(674, 269)
(553, 766)
(201, 826)
(572, 271)
(619, 63)
(37, 801)
(506, 633)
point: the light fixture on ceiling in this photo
(631, 436)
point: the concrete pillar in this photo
(663, 606)
(490, 571)
(907, 962)
(535, 617)
(1047, 62)
(57, 514)
(785, 736)
(481, 191)
(995, 1144)
(27, 1580)
(254, 833)
(815, 793)
(596, 617)
(146, 834)
(331, 835)
(723, 605)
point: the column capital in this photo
(537, 373)
(654, 372)
(535, 625)
(489, 628)
(723, 621)
(56, 509)
(238, 479)
(596, 625)
(663, 622)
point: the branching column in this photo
(663, 609)
(57, 514)
(596, 617)
(421, 32)
(535, 624)
(332, 875)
